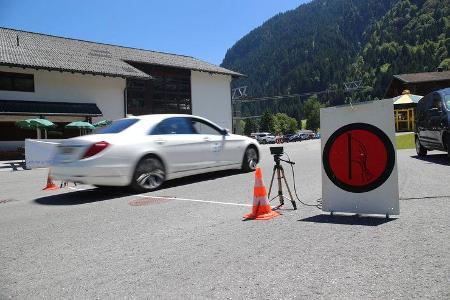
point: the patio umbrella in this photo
(36, 124)
(102, 123)
(80, 125)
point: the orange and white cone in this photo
(50, 184)
(261, 207)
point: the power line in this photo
(349, 87)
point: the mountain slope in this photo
(413, 36)
(325, 43)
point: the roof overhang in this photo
(73, 71)
(42, 108)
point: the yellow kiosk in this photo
(404, 111)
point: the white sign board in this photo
(359, 159)
(40, 153)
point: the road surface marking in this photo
(174, 198)
(202, 201)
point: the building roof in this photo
(424, 77)
(406, 98)
(41, 51)
(19, 107)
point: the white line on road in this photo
(76, 189)
(195, 200)
(175, 198)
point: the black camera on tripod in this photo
(277, 150)
(278, 170)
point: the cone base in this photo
(261, 213)
(50, 188)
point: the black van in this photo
(433, 122)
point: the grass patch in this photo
(405, 141)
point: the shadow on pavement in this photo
(348, 220)
(199, 178)
(84, 196)
(108, 193)
(441, 159)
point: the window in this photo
(173, 126)
(117, 126)
(169, 91)
(447, 101)
(202, 127)
(16, 82)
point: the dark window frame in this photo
(15, 85)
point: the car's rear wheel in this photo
(420, 150)
(149, 175)
(251, 159)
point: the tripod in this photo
(278, 168)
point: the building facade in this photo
(65, 80)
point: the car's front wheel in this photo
(251, 159)
(149, 175)
(420, 150)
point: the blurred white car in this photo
(144, 151)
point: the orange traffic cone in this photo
(50, 184)
(261, 208)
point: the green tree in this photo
(292, 126)
(312, 113)
(240, 126)
(251, 125)
(284, 124)
(266, 123)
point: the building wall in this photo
(211, 97)
(55, 86)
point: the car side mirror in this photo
(435, 111)
(225, 131)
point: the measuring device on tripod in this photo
(277, 152)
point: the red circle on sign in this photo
(358, 157)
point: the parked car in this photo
(286, 137)
(264, 137)
(268, 139)
(144, 151)
(433, 123)
(295, 138)
(259, 135)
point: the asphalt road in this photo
(89, 243)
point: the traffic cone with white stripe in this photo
(50, 184)
(261, 207)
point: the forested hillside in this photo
(413, 36)
(325, 43)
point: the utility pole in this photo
(237, 94)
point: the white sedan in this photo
(144, 151)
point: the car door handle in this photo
(160, 141)
(206, 138)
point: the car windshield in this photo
(447, 102)
(117, 126)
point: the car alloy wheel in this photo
(250, 159)
(149, 174)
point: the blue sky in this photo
(201, 28)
